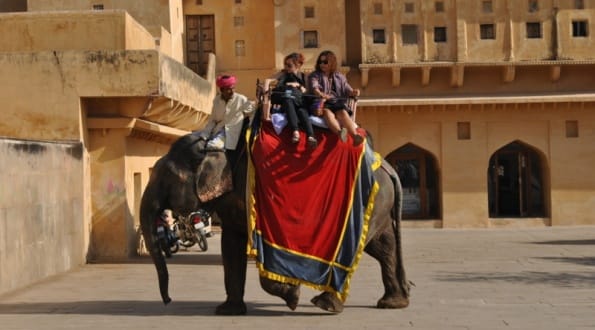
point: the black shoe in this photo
(357, 140)
(312, 142)
(231, 308)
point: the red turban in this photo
(226, 81)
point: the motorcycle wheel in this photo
(201, 240)
(187, 244)
(164, 247)
(175, 247)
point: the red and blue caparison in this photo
(309, 208)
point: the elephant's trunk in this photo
(163, 276)
(160, 265)
(149, 211)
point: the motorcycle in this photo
(194, 229)
(166, 234)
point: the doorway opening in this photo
(516, 182)
(200, 41)
(418, 172)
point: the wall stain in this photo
(116, 58)
(75, 151)
(30, 148)
(103, 57)
(59, 65)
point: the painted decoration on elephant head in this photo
(214, 177)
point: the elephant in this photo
(189, 177)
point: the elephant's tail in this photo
(404, 284)
(149, 211)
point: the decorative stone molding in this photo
(458, 69)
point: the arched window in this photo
(516, 182)
(419, 177)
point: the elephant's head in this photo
(208, 169)
(182, 180)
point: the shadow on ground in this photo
(568, 242)
(560, 279)
(142, 308)
(584, 261)
(180, 258)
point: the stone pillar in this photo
(461, 34)
(509, 41)
(396, 28)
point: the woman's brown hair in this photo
(330, 57)
(296, 58)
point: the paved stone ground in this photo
(540, 278)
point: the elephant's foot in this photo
(292, 296)
(231, 308)
(329, 302)
(288, 292)
(393, 302)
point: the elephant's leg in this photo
(233, 252)
(329, 302)
(383, 249)
(288, 292)
(160, 265)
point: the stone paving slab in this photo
(541, 278)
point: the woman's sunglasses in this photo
(323, 62)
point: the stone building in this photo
(93, 95)
(485, 107)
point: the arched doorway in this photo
(419, 177)
(516, 182)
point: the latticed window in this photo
(238, 21)
(486, 6)
(464, 130)
(571, 129)
(309, 12)
(439, 6)
(487, 31)
(409, 7)
(240, 46)
(439, 34)
(379, 36)
(377, 8)
(533, 30)
(533, 6)
(409, 34)
(580, 29)
(310, 39)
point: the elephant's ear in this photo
(213, 177)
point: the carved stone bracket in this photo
(508, 73)
(457, 75)
(396, 75)
(555, 72)
(365, 76)
(425, 75)
(457, 70)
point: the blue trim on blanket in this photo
(326, 274)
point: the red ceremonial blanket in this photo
(309, 207)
